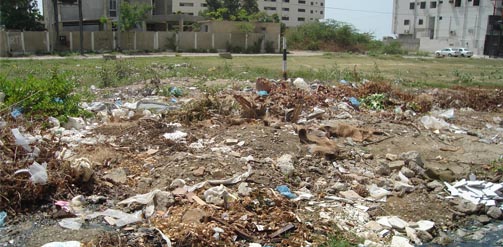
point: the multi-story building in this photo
(447, 23)
(166, 13)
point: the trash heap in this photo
(282, 163)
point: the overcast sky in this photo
(366, 15)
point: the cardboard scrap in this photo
(345, 130)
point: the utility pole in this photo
(81, 23)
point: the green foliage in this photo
(380, 48)
(235, 10)
(171, 42)
(340, 35)
(375, 101)
(337, 241)
(269, 47)
(42, 97)
(462, 77)
(133, 14)
(20, 15)
(245, 27)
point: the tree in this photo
(213, 5)
(250, 6)
(20, 15)
(132, 14)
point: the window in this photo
(286, 9)
(204, 5)
(412, 5)
(311, 11)
(286, 1)
(321, 3)
(406, 22)
(186, 4)
(301, 19)
(423, 5)
(302, 10)
(285, 18)
(457, 3)
(312, 3)
(302, 2)
(321, 12)
(420, 22)
(440, 18)
(476, 2)
(269, 8)
(433, 5)
(113, 8)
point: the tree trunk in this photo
(81, 28)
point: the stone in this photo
(434, 185)
(484, 219)
(193, 216)
(75, 123)
(396, 165)
(412, 235)
(494, 212)
(407, 172)
(467, 207)
(285, 164)
(117, 175)
(424, 236)
(374, 226)
(350, 194)
(231, 141)
(391, 157)
(413, 156)
(338, 186)
(368, 156)
(199, 172)
(434, 172)
(383, 170)
(243, 189)
(315, 170)
(397, 223)
(401, 186)
(163, 200)
(398, 241)
(177, 183)
(384, 222)
(425, 225)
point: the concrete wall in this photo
(443, 23)
(15, 43)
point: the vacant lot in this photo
(328, 67)
(196, 151)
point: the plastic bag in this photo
(434, 123)
(38, 173)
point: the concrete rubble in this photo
(291, 167)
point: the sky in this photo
(372, 16)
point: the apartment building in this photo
(167, 13)
(448, 23)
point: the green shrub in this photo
(42, 97)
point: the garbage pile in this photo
(282, 163)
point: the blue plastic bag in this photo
(285, 191)
(3, 215)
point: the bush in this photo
(330, 35)
(42, 97)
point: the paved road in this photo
(163, 54)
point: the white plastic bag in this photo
(38, 173)
(21, 140)
(434, 123)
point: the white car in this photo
(451, 52)
(465, 52)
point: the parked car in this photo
(451, 52)
(465, 52)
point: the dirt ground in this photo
(223, 142)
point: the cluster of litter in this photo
(204, 186)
